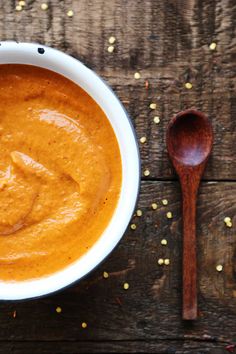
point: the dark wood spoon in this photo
(189, 143)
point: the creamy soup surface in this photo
(60, 172)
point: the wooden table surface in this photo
(168, 43)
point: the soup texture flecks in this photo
(60, 172)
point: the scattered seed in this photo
(22, 3)
(110, 49)
(229, 224)
(70, 13)
(153, 105)
(84, 325)
(169, 215)
(212, 46)
(139, 212)
(146, 84)
(126, 286)
(160, 261)
(219, 268)
(19, 7)
(111, 40)
(146, 173)
(164, 201)
(133, 226)
(105, 275)
(166, 261)
(154, 206)
(137, 76)
(44, 6)
(14, 314)
(58, 309)
(156, 120)
(188, 85)
(143, 139)
(227, 219)
(164, 242)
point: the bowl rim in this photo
(12, 52)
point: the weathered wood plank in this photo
(151, 308)
(160, 347)
(168, 43)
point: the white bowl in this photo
(29, 53)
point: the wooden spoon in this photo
(189, 143)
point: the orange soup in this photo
(60, 172)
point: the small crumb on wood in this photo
(160, 261)
(164, 201)
(84, 325)
(154, 206)
(133, 226)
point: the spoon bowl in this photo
(189, 143)
(189, 138)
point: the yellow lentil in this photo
(188, 85)
(153, 106)
(164, 242)
(154, 206)
(166, 261)
(164, 201)
(137, 76)
(156, 120)
(126, 286)
(110, 49)
(160, 261)
(44, 6)
(143, 139)
(169, 215)
(219, 268)
(146, 173)
(18, 7)
(70, 13)
(84, 325)
(139, 212)
(133, 226)
(58, 309)
(111, 40)
(212, 46)
(105, 275)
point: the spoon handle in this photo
(189, 194)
